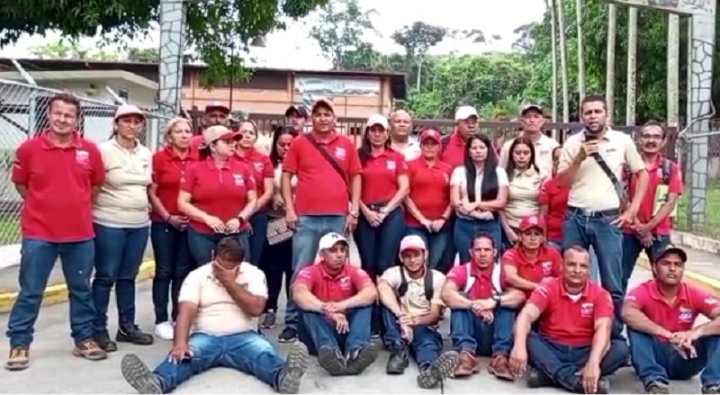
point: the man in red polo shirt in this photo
(665, 343)
(335, 299)
(453, 145)
(473, 292)
(572, 347)
(328, 171)
(525, 266)
(57, 174)
(216, 113)
(651, 230)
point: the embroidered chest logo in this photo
(258, 166)
(586, 310)
(82, 157)
(391, 165)
(344, 283)
(239, 180)
(547, 268)
(340, 153)
(685, 315)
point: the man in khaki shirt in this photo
(412, 308)
(597, 207)
(222, 299)
(532, 119)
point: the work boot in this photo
(711, 389)
(536, 379)
(360, 358)
(19, 359)
(89, 350)
(657, 387)
(139, 376)
(438, 371)
(398, 361)
(134, 335)
(103, 341)
(294, 369)
(467, 365)
(500, 368)
(332, 361)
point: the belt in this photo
(594, 213)
(377, 206)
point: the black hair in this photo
(365, 148)
(483, 235)
(510, 168)
(230, 248)
(593, 99)
(204, 152)
(490, 185)
(277, 133)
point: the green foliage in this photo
(340, 33)
(418, 38)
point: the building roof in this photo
(82, 75)
(398, 81)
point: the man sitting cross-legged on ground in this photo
(412, 308)
(524, 267)
(335, 300)
(223, 300)
(473, 293)
(660, 315)
(572, 347)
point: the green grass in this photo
(711, 228)
(9, 230)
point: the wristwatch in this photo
(241, 218)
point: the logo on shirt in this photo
(239, 180)
(82, 157)
(345, 283)
(586, 310)
(685, 315)
(547, 268)
(391, 165)
(259, 166)
(710, 301)
(340, 153)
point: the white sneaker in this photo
(165, 330)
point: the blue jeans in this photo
(256, 241)
(470, 333)
(503, 333)
(118, 255)
(37, 258)
(322, 332)
(631, 250)
(466, 229)
(425, 347)
(248, 352)
(309, 230)
(378, 247)
(202, 244)
(594, 269)
(173, 262)
(654, 360)
(607, 241)
(436, 243)
(560, 363)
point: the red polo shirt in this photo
(221, 192)
(566, 321)
(454, 152)
(547, 264)
(655, 178)
(429, 188)
(555, 197)
(168, 168)
(196, 142)
(329, 288)
(482, 287)
(59, 182)
(674, 316)
(320, 189)
(261, 167)
(380, 176)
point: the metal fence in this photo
(23, 114)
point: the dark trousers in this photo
(631, 250)
(276, 263)
(173, 262)
(202, 244)
(322, 331)
(425, 347)
(258, 236)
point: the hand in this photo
(590, 377)
(291, 219)
(373, 218)
(647, 241)
(350, 223)
(179, 353)
(407, 320)
(685, 342)
(342, 326)
(588, 148)
(465, 208)
(333, 307)
(624, 219)
(427, 224)
(225, 276)
(518, 361)
(481, 305)
(487, 316)
(642, 230)
(437, 225)
(232, 226)
(215, 224)
(278, 202)
(177, 221)
(406, 333)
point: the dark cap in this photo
(531, 106)
(671, 249)
(298, 108)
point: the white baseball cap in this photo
(377, 119)
(330, 239)
(465, 112)
(412, 242)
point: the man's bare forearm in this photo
(184, 321)
(249, 303)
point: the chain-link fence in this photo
(24, 114)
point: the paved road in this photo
(54, 370)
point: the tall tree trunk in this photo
(560, 11)
(610, 61)
(580, 49)
(550, 4)
(631, 104)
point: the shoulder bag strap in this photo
(335, 165)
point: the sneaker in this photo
(500, 368)
(19, 359)
(103, 341)
(134, 335)
(398, 361)
(89, 350)
(294, 369)
(657, 387)
(360, 358)
(139, 376)
(332, 361)
(442, 368)
(288, 335)
(269, 320)
(711, 389)
(165, 330)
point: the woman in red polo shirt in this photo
(428, 205)
(217, 194)
(262, 170)
(168, 234)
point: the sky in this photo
(293, 49)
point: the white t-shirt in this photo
(459, 179)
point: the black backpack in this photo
(403, 288)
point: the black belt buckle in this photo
(376, 206)
(596, 213)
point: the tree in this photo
(147, 55)
(417, 40)
(211, 25)
(341, 29)
(72, 49)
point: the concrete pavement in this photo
(54, 370)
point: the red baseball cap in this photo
(430, 134)
(532, 222)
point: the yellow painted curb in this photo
(699, 280)
(57, 293)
